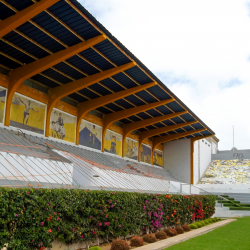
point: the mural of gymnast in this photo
(26, 112)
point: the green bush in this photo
(193, 226)
(210, 220)
(31, 218)
(214, 219)
(95, 248)
(206, 222)
(199, 224)
(203, 223)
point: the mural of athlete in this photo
(93, 135)
(61, 130)
(27, 110)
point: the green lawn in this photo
(234, 236)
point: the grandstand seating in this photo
(227, 172)
(62, 162)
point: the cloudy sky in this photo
(200, 49)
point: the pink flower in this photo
(94, 232)
(107, 193)
(42, 223)
(73, 229)
(28, 192)
(54, 212)
(81, 236)
(58, 218)
(120, 226)
(106, 216)
(46, 208)
(114, 192)
(59, 229)
(100, 224)
(47, 204)
(16, 215)
(112, 205)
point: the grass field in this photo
(234, 236)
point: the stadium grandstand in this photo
(79, 110)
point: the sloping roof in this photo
(67, 23)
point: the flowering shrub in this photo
(186, 228)
(161, 235)
(136, 241)
(170, 232)
(119, 245)
(179, 230)
(33, 218)
(149, 238)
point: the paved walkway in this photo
(162, 244)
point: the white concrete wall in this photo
(214, 148)
(177, 159)
(205, 155)
(225, 188)
(196, 162)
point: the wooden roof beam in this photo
(19, 75)
(167, 138)
(110, 118)
(66, 89)
(146, 134)
(87, 106)
(127, 128)
(12, 22)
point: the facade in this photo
(73, 82)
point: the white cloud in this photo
(199, 48)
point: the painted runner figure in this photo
(27, 110)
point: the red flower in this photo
(41, 248)
(143, 228)
(49, 231)
(93, 232)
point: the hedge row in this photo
(34, 218)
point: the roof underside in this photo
(68, 23)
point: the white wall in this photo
(205, 155)
(225, 188)
(196, 162)
(177, 159)
(214, 148)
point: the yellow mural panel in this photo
(158, 158)
(3, 93)
(113, 143)
(62, 126)
(131, 149)
(27, 114)
(146, 154)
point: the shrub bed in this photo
(119, 245)
(161, 235)
(136, 241)
(149, 238)
(179, 230)
(186, 228)
(34, 218)
(170, 232)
